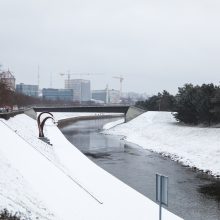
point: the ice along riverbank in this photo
(197, 147)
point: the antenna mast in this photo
(51, 80)
(38, 76)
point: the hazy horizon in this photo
(154, 44)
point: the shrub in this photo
(5, 215)
(161, 102)
(193, 104)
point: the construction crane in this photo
(121, 79)
(68, 74)
(79, 74)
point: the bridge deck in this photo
(108, 109)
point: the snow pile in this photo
(17, 196)
(113, 124)
(66, 115)
(158, 131)
(59, 182)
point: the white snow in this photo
(158, 131)
(59, 182)
(66, 115)
(113, 124)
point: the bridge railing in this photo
(106, 109)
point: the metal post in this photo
(161, 192)
(160, 207)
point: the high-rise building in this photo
(58, 94)
(114, 96)
(100, 95)
(81, 89)
(8, 78)
(30, 90)
(107, 96)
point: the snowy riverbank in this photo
(68, 115)
(59, 182)
(158, 131)
(65, 118)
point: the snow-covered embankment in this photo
(59, 182)
(158, 131)
(68, 118)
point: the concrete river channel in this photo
(192, 195)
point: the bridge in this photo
(130, 112)
(106, 109)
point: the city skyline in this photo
(154, 45)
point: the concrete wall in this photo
(7, 115)
(133, 112)
(31, 113)
(64, 122)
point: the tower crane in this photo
(68, 74)
(121, 79)
(67, 82)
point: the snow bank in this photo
(66, 115)
(158, 131)
(59, 182)
(113, 124)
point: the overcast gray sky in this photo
(154, 44)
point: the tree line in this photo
(191, 105)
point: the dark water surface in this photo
(192, 195)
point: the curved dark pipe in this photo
(39, 122)
(39, 116)
(41, 134)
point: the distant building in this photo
(30, 90)
(107, 96)
(114, 96)
(81, 89)
(8, 78)
(100, 95)
(133, 97)
(58, 94)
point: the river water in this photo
(192, 195)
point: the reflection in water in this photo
(97, 155)
(192, 195)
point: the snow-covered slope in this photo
(59, 182)
(113, 124)
(66, 115)
(158, 131)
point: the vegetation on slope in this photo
(5, 215)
